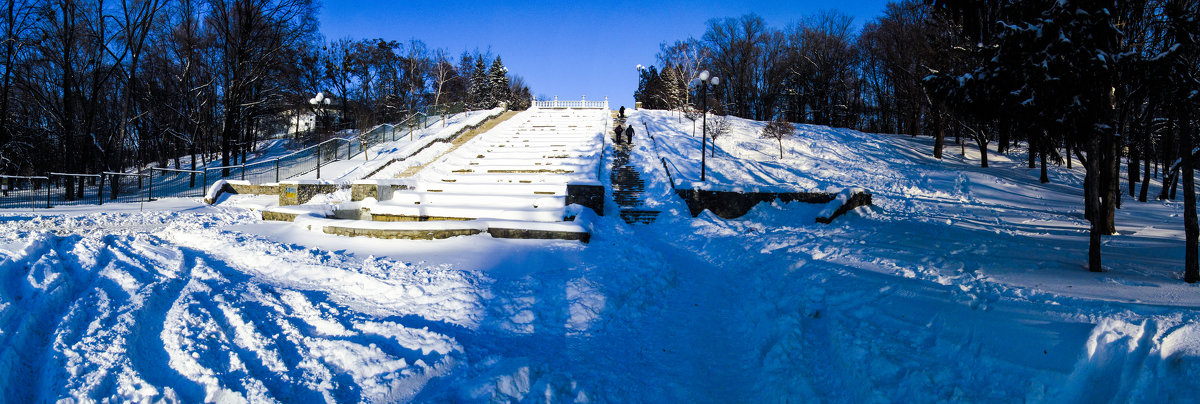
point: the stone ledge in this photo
(587, 195)
(856, 198)
(263, 189)
(528, 234)
(400, 234)
(300, 192)
(279, 216)
(732, 205)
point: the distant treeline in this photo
(92, 85)
(1104, 81)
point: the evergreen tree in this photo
(1183, 76)
(643, 80)
(653, 92)
(480, 92)
(672, 93)
(498, 84)
(1052, 64)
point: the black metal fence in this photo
(24, 192)
(67, 189)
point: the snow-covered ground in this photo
(377, 158)
(960, 284)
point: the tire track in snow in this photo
(325, 338)
(103, 317)
(30, 314)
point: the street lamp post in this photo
(704, 81)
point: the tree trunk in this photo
(1032, 150)
(1145, 177)
(4, 86)
(1002, 146)
(1191, 272)
(780, 148)
(1134, 164)
(1168, 179)
(939, 139)
(983, 152)
(1174, 183)
(1069, 157)
(1045, 177)
(1092, 195)
(1109, 176)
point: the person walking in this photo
(618, 130)
(622, 112)
(629, 133)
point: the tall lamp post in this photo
(704, 81)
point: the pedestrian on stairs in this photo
(622, 112)
(629, 132)
(618, 130)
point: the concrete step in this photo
(639, 216)
(498, 201)
(414, 213)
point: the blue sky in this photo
(563, 48)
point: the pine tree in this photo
(1183, 29)
(1052, 64)
(653, 92)
(640, 94)
(498, 84)
(672, 91)
(480, 92)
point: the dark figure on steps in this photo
(622, 112)
(618, 130)
(629, 133)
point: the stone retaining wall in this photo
(591, 196)
(732, 205)
(856, 200)
(277, 216)
(401, 234)
(360, 191)
(254, 189)
(298, 193)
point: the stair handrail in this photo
(664, 160)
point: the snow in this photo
(377, 158)
(960, 284)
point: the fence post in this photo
(49, 182)
(243, 167)
(276, 170)
(150, 191)
(100, 192)
(204, 183)
(319, 161)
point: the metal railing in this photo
(24, 192)
(667, 164)
(68, 189)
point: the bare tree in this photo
(254, 36)
(687, 56)
(440, 73)
(734, 49)
(779, 129)
(717, 128)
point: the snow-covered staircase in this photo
(628, 187)
(512, 179)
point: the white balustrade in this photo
(573, 104)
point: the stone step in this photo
(639, 216)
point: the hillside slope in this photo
(960, 284)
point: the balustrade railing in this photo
(571, 104)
